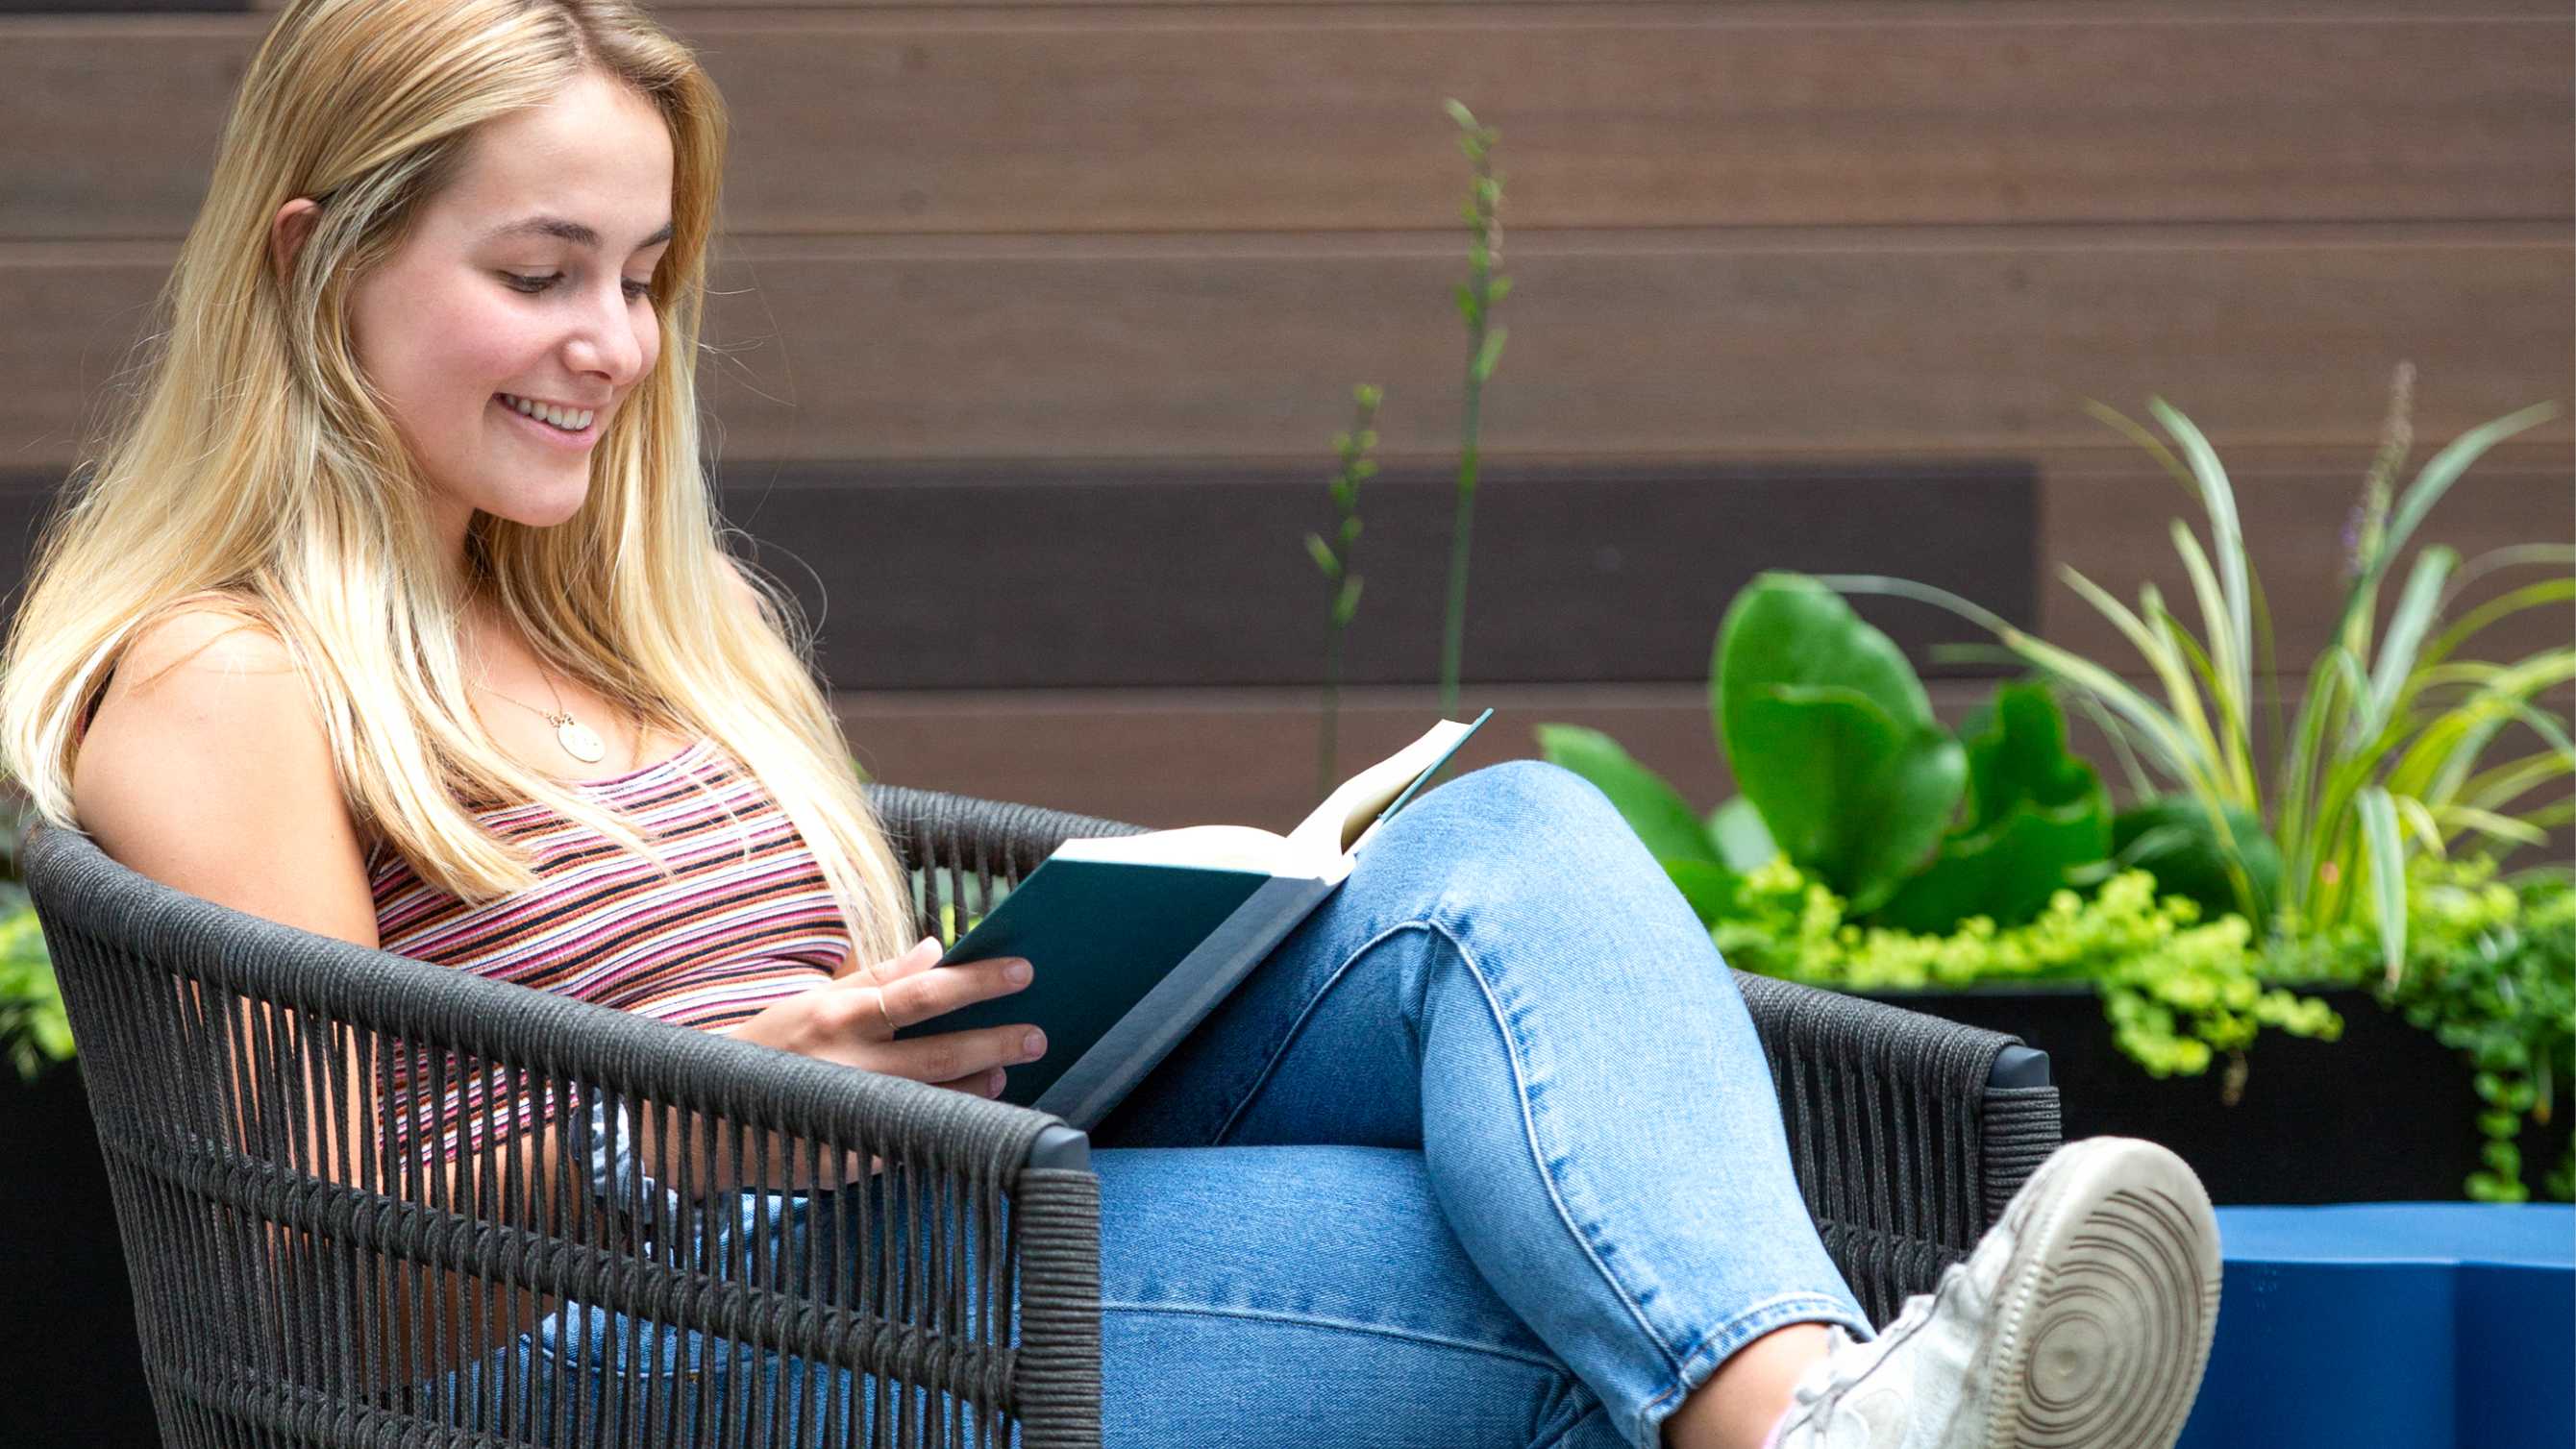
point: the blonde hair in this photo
(254, 465)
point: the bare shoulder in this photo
(207, 768)
(211, 633)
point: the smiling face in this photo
(524, 283)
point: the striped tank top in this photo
(745, 920)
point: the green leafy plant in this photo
(33, 1023)
(1845, 770)
(2173, 838)
(2176, 990)
(1831, 737)
(2380, 755)
(2491, 972)
(2038, 818)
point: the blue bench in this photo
(2410, 1325)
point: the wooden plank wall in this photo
(976, 253)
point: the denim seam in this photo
(1538, 1361)
(1557, 1439)
(1714, 1348)
(1520, 1092)
(1538, 1155)
(1299, 1025)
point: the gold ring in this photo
(879, 989)
(876, 989)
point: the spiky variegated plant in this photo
(2384, 744)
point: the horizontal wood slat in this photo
(1202, 579)
(922, 580)
(1698, 346)
(990, 578)
(1887, 349)
(1027, 120)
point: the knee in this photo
(1532, 833)
(1541, 789)
(1539, 808)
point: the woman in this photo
(396, 609)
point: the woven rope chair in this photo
(277, 1305)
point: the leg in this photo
(1509, 981)
(1250, 1296)
(1311, 1295)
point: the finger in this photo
(950, 1055)
(927, 994)
(923, 955)
(979, 1084)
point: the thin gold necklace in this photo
(578, 739)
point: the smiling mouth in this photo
(561, 420)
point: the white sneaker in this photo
(2082, 1320)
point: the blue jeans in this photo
(1485, 1152)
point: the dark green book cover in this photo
(1129, 954)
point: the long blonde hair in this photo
(254, 464)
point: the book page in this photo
(1218, 847)
(1324, 836)
(1335, 825)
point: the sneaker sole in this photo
(2108, 1303)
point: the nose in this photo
(606, 344)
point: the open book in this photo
(1135, 939)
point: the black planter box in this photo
(76, 1365)
(2386, 1114)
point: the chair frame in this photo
(1908, 1133)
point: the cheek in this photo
(442, 351)
(648, 337)
(487, 342)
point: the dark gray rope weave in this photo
(265, 1292)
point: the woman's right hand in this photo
(852, 1020)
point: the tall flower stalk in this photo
(1335, 560)
(1477, 297)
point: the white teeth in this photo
(569, 420)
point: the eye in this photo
(635, 291)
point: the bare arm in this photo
(206, 768)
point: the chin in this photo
(533, 515)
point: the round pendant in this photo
(580, 742)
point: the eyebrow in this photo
(571, 231)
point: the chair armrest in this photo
(224, 1311)
(1909, 1132)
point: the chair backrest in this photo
(271, 1104)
